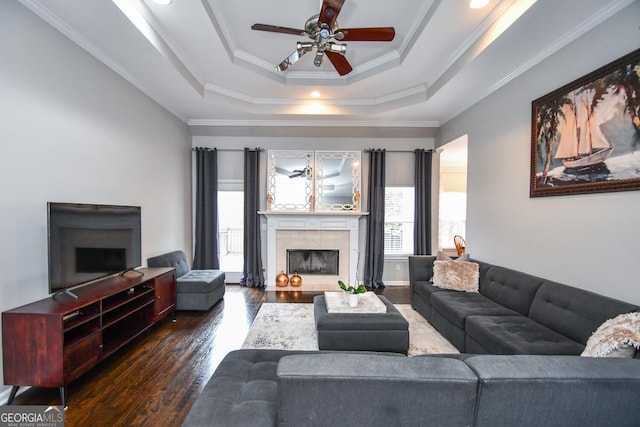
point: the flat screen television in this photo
(88, 242)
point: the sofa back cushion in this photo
(574, 312)
(175, 259)
(421, 267)
(367, 389)
(556, 391)
(510, 288)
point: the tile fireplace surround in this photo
(312, 230)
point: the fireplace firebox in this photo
(313, 261)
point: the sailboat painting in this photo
(585, 136)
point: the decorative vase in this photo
(282, 279)
(353, 300)
(295, 280)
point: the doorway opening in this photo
(452, 209)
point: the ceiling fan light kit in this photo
(323, 28)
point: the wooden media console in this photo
(51, 342)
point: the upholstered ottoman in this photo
(196, 289)
(361, 331)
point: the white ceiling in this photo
(202, 62)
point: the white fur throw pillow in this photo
(456, 275)
(617, 337)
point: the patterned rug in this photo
(290, 326)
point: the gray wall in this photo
(74, 131)
(588, 241)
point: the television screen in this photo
(87, 242)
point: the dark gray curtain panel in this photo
(206, 253)
(252, 275)
(422, 213)
(374, 252)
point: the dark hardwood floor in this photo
(154, 380)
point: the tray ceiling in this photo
(202, 62)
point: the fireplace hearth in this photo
(313, 261)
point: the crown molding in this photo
(311, 123)
(409, 96)
(587, 25)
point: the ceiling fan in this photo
(296, 173)
(323, 28)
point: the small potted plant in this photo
(353, 293)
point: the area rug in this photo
(290, 326)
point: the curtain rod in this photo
(226, 149)
(368, 150)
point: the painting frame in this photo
(569, 133)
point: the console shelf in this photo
(51, 342)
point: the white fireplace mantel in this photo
(348, 221)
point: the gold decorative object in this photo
(269, 201)
(295, 280)
(282, 279)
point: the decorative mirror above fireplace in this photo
(300, 180)
(337, 180)
(290, 180)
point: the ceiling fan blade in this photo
(340, 62)
(276, 29)
(375, 34)
(329, 12)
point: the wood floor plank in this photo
(154, 380)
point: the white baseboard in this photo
(397, 283)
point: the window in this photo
(231, 229)
(398, 220)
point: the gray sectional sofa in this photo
(288, 388)
(196, 289)
(520, 338)
(513, 312)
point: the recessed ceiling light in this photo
(163, 2)
(315, 94)
(477, 4)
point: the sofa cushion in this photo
(243, 391)
(510, 288)
(518, 335)
(200, 281)
(456, 275)
(420, 268)
(425, 289)
(574, 312)
(175, 259)
(556, 391)
(346, 389)
(457, 306)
